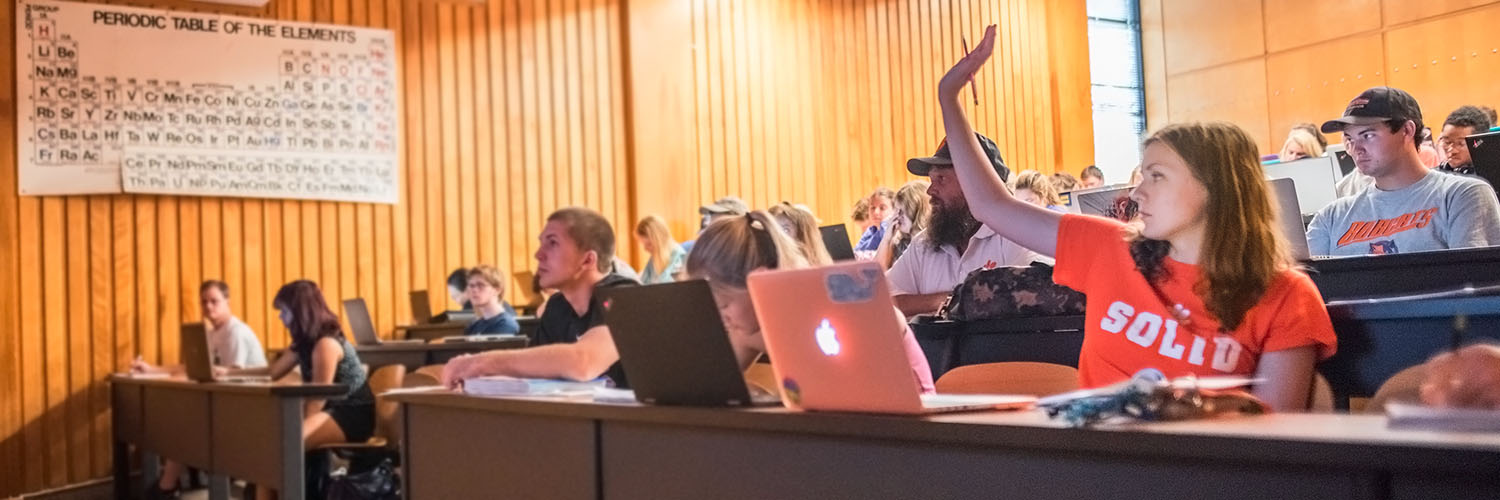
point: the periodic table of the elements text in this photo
(120, 99)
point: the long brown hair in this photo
(804, 230)
(1242, 251)
(311, 317)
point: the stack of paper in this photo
(1415, 416)
(499, 385)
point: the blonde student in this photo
(665, 255)
(729, 250)
(1206, 287)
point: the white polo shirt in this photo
(234, 344)
(924, 269)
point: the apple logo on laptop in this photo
(827, 338)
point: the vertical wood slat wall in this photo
(1269, 64)
(510, 109)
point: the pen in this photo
(972, 90)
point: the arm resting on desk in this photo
(277, 369)
(585, 359)
(914, 304)
(1288, 376)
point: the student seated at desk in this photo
(1206, 287)
(802, 228)
(1409, 208)
(325, 357)
(231, 344)
(729, 250)
(664, 256)
(492, 314)
(458, 285)
(571, 340)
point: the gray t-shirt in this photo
(1439, 212)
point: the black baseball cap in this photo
(921, 166)
(1376, 105)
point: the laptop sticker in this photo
(850, 288)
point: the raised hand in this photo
(963, 71)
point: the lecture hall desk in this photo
(459, 446)
(250, 431)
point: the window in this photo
(1118, 95)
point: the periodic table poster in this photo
(120, 99)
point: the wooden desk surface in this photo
(1323, 440)
(474, 345)
(278, 389)
(433, 326)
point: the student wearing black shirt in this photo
(571, 340)
(492, 315)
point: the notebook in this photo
(500, 385)
(1416, 416)
(838, 344)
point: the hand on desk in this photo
(1466, 378)
(460, 368)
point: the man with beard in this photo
(954, 243)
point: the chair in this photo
(1405, 385)
(529, 299)
(384, 379)
(1012, 377)
(425, 376)
(1320, 399)
(761, 375)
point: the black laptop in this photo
(1484, 152)
(674, 348)
(836, 240)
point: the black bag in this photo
(377, 483)
(1011, 292)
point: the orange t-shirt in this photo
(1132, 325)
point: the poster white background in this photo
(202, 104)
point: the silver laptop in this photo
(199, 361)
(1317, 180)
(1289, 216)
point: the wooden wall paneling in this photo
(125, 322)
(432, 165)
(740, 161)
(760, 83)
(1446, 62)
(55, 322)
(411, 220)
(459, 76)
(566, 74)
(11, 394)
(622, 178)
(1396, 12)
(248, 292)
(519, 219)
(1234, 93)
(1203, 33)
(661, 44)
(537, 174)
(32, 297)
(1013, 86)
(1298, 23)
(1315, 83)
(482, 122)
(80, 337)
(1072, 111)
(1153, 64)
(101, 333)
(170, 265)
(719, 96)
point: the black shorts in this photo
(356, 420)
